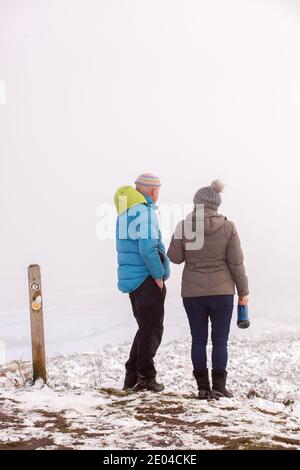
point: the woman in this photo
(211, 272)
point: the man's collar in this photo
(149, 200)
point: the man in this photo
(143, 266)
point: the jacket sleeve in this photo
(148, 246)
(166, 262)
(176, 248)
(235, 260)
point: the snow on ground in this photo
(83, 406)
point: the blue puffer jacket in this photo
(141, 252)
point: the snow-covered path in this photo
(84, 408)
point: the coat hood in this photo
(126, 197)
(212, 220)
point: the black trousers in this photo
(148, 309)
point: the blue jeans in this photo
(217, 308)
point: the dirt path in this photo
(108, 418)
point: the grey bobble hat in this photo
(210, 195)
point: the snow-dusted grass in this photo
(83, 405)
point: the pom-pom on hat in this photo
(210, 195)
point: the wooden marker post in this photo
(37, 323)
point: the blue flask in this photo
(242, 316)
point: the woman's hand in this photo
(243, 300)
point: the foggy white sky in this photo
(100, 91)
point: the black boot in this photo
(219, 384)
(148, 383)
(130, 381)
(204, 390)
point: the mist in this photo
(98, 92)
